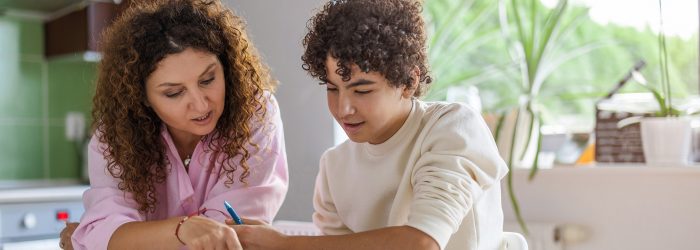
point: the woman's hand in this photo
(64, 240)
(201, 233)
(255, 235)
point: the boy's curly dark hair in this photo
(144, 34)
(386, 36)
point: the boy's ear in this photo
(409, 91)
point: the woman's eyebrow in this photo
(207, 69)
(168, 84)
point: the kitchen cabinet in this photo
(79, 31)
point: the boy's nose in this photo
(345, 106)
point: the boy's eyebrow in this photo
(175, 84)
(359, 83)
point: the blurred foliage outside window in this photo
(467, 48)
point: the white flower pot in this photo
(667, 141)
(524, 150)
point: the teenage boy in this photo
(414, 174)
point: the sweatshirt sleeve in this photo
(262, 196)
(459, 161)
(106, 207)
(325, 215)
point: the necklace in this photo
(187, 161)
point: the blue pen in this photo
(233, 213)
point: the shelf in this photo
(625, 168)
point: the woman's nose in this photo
(199, 101)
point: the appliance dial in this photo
(29, 221)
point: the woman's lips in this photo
(204, 120)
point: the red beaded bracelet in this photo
(200, 212)
(177, 229)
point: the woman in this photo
(184, 121)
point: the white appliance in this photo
(33, 217)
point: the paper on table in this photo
(299, 228)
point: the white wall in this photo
(639, 208)
(277, 28)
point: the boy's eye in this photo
(331, 89)
(362, 92)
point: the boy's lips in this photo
(351, 128)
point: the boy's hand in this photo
(230, 222)
(255, 235)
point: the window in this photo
(468, 48)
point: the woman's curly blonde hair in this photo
(132, 46)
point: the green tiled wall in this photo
(20, 37)
(21, 151)
(35, 96)
(70, 90)
(21, 82)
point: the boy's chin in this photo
(357, 139)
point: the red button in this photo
(62, 215)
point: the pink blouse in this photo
(107, 207)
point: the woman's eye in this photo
(208, 81)
(331, 89)
(171, 95)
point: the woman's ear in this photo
(409, 91)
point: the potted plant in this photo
(666, 135)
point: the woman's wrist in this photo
(179, 225)
(184, 219)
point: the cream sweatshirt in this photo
(440, 173)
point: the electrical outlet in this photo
(75, 126)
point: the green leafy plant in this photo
(665, 107)
(535, 38)
(663, 97)
(457, 30)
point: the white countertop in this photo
(42, 194)
(618, 206)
